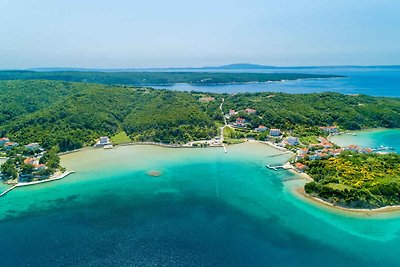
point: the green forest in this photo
(71, 115)
(356, 180)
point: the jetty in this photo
(286, 166)
(280, 154)
(382, 148)
(63, 175)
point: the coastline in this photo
(55, 178)
(299, 192)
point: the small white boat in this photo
(108, 146)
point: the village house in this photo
(250, 111)
(4, 140)
(299, 157)
(206, 99)
(275, 132)
(232, 112)
(302, 151)
(31, 161)
(32, 146)
(352, 148)
(329, 129)
(103, 141)
(39, 167)
(293, 141)
(335, 152)
(261, 128)
(10, 145)
(240, 123)
(325, 143)
(300, 167)
(367, 150)
(314, 157)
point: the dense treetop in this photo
(356, 180)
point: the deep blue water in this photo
(207, 209)
(371, 81)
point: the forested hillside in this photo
(286, 111)
(72, 115)
(77, 113)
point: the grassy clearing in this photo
(120, 138)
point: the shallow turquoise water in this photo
(371, 138)
(207, 209)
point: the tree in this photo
(26, 168)
(9, 170)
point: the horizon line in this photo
(249, 65)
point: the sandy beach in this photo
(299, 192)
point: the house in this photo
(366, 150)
(30, 161)
(299, 157)
(232, 112)
(261, 128)
(250, 111)
(335, 152)
(353, 148)
(206, 99)
(10, 145)
(300, 166)
(314, 157)
(40, 167)
(302, 151)
(322, 155)
(102, 141)
(324, 142)
(293, 141)
(275, 132)
(4, 140)
(329, 129)
(240, 123)
(32, 146)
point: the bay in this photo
(375, 81)
(207, 208)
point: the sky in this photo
(186, 33)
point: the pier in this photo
(286, 166)
(65, 174)
(280, 154)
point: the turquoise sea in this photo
(207, 208)
(371, 138)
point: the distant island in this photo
(157, 78)
(236, 66)
(244, 66)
